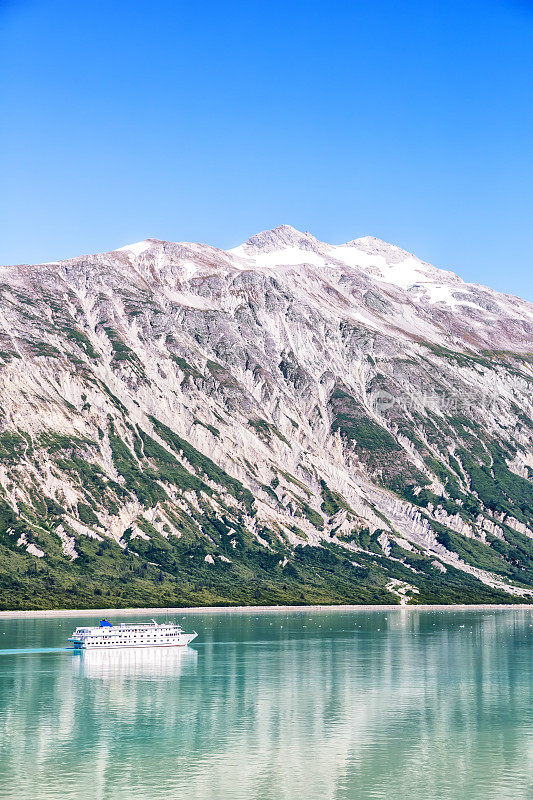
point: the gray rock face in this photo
(311, 397)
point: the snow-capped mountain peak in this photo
(280, 238)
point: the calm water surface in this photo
(401, 705)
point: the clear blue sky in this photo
(210, 121)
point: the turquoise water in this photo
(396, 705)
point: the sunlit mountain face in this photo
(285, 422)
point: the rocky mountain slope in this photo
(285, 422)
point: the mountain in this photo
(288, 421)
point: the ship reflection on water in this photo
(149, 663)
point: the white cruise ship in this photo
(140, 634)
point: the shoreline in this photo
(102, 612)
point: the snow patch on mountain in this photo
(137, 248)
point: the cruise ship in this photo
(140, 634)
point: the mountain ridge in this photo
(421, 280)
(371, 244)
